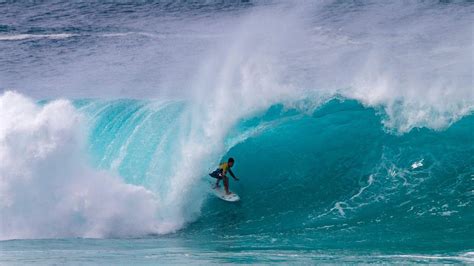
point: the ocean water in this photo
(351, 123)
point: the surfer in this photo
(220, 173)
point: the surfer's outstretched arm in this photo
(232, 174)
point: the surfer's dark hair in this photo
(231, 160)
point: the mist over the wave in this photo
(412, 58)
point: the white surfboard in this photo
(220, 193)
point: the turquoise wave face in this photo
(331, 177)
(336, 178)
(134, 138)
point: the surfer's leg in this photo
(219, 178)
(226, 184)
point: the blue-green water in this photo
(327, 186)
(351, 124)
(171, 250)
(330, 178)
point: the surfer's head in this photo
(230, 162)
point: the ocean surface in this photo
(351, 123)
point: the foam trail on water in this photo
(46, 188)
(20, 37)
